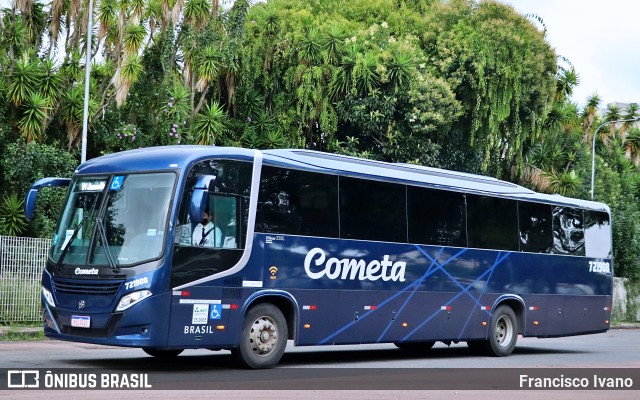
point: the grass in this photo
(22, 332)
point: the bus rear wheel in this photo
(164, 354)
(263, 337)
(503, 334)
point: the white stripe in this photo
(226, 306)
(252, 284)
(199, 301)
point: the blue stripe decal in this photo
(499, 260)
(411, 295)
(415, 284)
(412, 288)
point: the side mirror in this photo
(200, 198)
(30, 203)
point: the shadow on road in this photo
(223, 360)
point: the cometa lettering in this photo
(92, 271)
(317, 266)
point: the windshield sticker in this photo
(216, 311)
(92, 186)
(116, 183)
(200, 314)
(67, 238)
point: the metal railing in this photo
(22, 260)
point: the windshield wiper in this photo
(107, 248)
(68, 242)
(75, 231)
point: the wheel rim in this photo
(263, 336)
(504, 331)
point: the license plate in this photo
(80, 321)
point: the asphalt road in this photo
(376, 371)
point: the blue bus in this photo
(181, 247)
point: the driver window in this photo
(227, 203)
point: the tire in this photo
(163, 354)
(415, 347)
(263, 337)
(503, 332)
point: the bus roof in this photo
(178, 157)
(418, 175)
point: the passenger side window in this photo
(568, 231)
(597, 234)
(372, 210)
(297, 203)
(492, 223)
(436, 217)
(535, 226)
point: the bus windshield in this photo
(115, 221)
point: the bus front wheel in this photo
(263, 338)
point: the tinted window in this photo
(568, 231)
(492, 223)
(535, 227)
(597, 234)
(372, 210)
(436, 217)
(297, 203)
(228, 209)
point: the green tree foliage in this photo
(502, 68)
(22, 164)
(12, 221)
(466, 85)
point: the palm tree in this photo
(589, 113)
(133, 37)
(632, 146)
(566, 80)
(71, 113)
(127, 75)
(51, 82)
(196, 13)
(564, 183)
(630, 114)
(58, 9)
(34, 119)
(22, 80)
(209, 124)
(613, 114)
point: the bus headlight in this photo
(132, 298)
(48, 297)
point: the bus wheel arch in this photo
(517, 305)
(506, 323)
(283, 301)
(267, 325)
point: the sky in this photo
(600, 38)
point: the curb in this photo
(28, 331)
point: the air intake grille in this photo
(102, 288)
